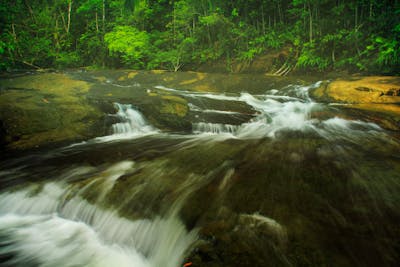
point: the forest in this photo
(318, 35)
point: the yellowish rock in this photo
(377, 96)
(374, 89)
(132, 74)
(101, 79)
(174, 98)
(158, 71)
(174, 108)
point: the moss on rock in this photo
(44, 109)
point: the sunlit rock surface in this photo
(376, 98)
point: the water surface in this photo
(264, 177)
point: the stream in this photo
(266, 178)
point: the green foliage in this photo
(67, 59)
(128, 43)
(310, 58)
(354, 35)
(89, 6)
(6, 49)
(389, 51)
(249, 54)
(90, 48)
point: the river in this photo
(261, 178)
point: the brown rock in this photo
(374, 89)
(377, 97)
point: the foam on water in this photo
(132, 123)
(53, 225)
(291, 110)
(287, 109)
(214, 128)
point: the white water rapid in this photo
(288, 109)
(252, 168)
(132, 125)
(53, 225)
(133, 122)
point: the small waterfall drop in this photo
(214, 128)
(132, 121)
(132, 125)
(288, 109)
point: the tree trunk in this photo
(262, 18)
(97, 23)
(14, 34)
(56, 38)
(370, 9)
(30, 11)
(64, 23)
(280, 13)
(311, 22)
(104, 16)
(304, 18)
(193, 26)
(355, 18)
(174, 26)
(69, 16)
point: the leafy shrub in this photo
(128, 43)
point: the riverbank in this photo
(41, 109)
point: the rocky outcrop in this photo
(46, 108)
(378, 95)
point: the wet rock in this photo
(393, 92)
(46, 109)
(3, 135)
(374, 89)
(240, 240)
(378, 97)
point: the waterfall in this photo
(132, 122)
(132, 125)
(214, 128)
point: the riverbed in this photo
(187, 169)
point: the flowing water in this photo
(288, 182)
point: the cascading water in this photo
(133, 123)
(214, 128)
(55, 226)
(236, 191)
(288, 111)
